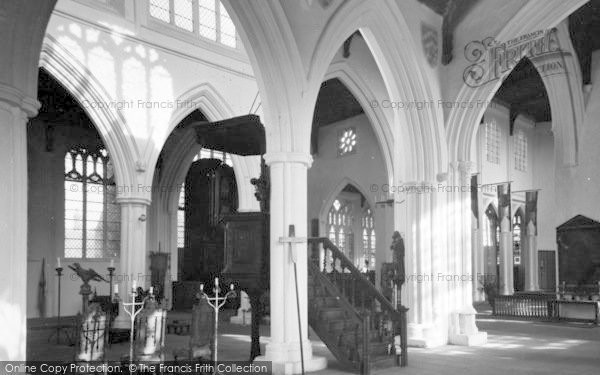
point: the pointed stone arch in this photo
(564, 92)
(334, 192)
(364, 95)
(418, 133)
(85, 88)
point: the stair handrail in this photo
(397, 314)
(360, 319)
(347, 264)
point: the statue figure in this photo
(398, 259)
(262, 187)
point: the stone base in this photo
(475, 339)
(425, 336)
(244, 320)
(285, 358)
(464, 331)
(289, 368)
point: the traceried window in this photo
(347, 141)
(207, 18)
(339, 227)
(92, 215)
(203, 154)
(517, 225)
(520, 145)
(368, 234)
(181, 218)
(492, 142)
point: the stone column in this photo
(134, 256)
(23, 24)
(531, 259)
(463, 330)
(288, 207)
(14, 113)
(422, 276)
(506, 257)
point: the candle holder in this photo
(112, 314)
(133, 312)
(216, 303)
(59, 327)
(111, 274)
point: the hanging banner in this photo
(531, 198)
(504, 202)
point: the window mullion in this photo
(196, 17)
(172, 12)
(218, 21)
(105, 210)
(84, 208)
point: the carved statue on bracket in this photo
(263, 187)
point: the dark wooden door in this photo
(547, 269)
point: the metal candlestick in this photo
(59, 328)
(132, 314)
(111, 274)
(216, 303)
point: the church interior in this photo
(321, 185)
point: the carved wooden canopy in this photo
(243, 135)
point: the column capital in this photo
(18, 99)
(288, 157)
(134, 200)
(465, 166)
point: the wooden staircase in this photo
(356, 322)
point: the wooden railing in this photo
(529, 306)
(384, 319)
(546, 307)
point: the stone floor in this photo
(514, 347)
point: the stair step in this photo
(334, 313)
(381, 362)
(378, 349)
(325, 301)
(337, 324)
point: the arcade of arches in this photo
(378, 117)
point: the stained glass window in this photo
(181, 218)
(92, 215)
(368, 232)
(517, 223)
(340, 222)
(161, 9)
(347, 141)
(207, 18)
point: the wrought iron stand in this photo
(59, 327)
(216, 303)
(132, 314)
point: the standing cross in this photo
(291, 240)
